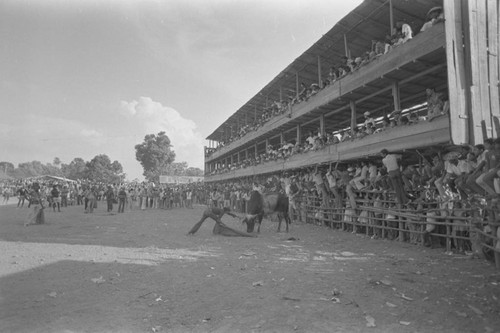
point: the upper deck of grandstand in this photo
(394, 81)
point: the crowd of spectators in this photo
(316, 141)
(441, 186)
(57, 195)
(400, 34)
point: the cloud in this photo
(90, 133)
(154, 117)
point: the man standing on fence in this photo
(391, 163)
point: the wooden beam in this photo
(493, 56)
(395, 95)
(391, 17)
(320, 80)
(354, 124)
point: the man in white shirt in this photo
(391, 163)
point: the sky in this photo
(79, 78)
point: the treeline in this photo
(100, 169)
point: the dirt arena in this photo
(139, 272)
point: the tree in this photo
(101, 169)
(194, 172)
(77, 169)
(6, 167)
(155, 155)
(57, 161)
(176, 169)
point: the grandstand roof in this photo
(370, 20)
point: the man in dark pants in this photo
(110, 198)
(216, 214)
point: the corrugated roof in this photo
(370, 20)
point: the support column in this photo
(320, 81)
(345, 46)
(282, 138)
(391, 16)
(299, 130)
(395, 95)
(354, 123)
(297, 85)
(322, 124)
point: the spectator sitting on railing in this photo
(345, 135)
(435, 104)
(287, 148)
(434, 16)
(372, 173)
(302, 91)
(368, 119)
(385, 125)
(314, 89)
(359, 133)
(393, 123)
(318, 144)
(335, 139)
(344, 67)
(369, 129)
(493, 166)
(413, 119)
(332, 75)
(404, 121)
(360, 176)
(311, 138)
(404, 31)
(297, 149)
(378, 48)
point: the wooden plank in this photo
(493, 55)
(482, 42)
(476, 105)
(458, 93)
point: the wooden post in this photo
(493, 57)
(299, 134)
(297, 85)
(281, 94)
(401, 226)
(391, 17)
(395, 96)
(322, 124)
(461, 122)
(353, 116)
(345, 46)
(479, 65)
(320, 82)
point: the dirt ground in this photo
(139, 272)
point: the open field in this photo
(139, 272)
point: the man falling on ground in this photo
(220, 228)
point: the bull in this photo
(260, 205)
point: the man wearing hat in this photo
(434, 16)
(368, 119)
